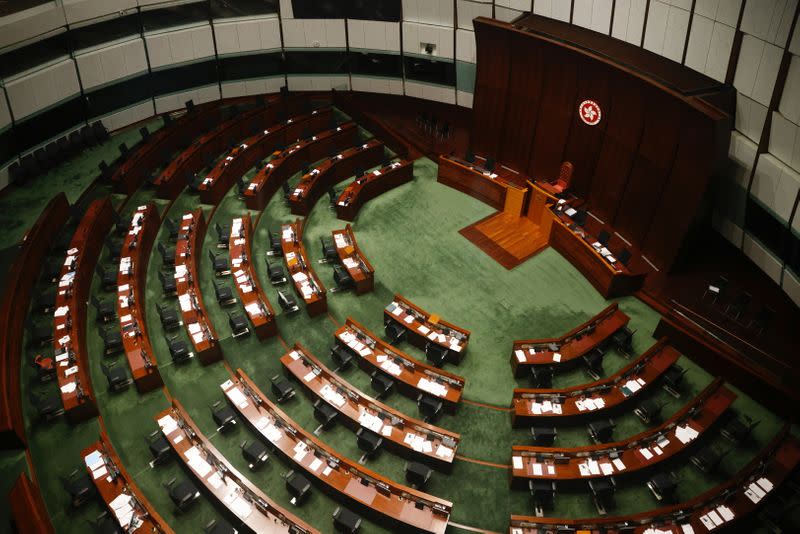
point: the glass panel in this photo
(376, 64)
(322, 62)
(223, 9)
(183, 77)
(251, 66)
(41, 127)
(118, 96)
(167, 17)
(386, 10)
(771, 232)
(103, 32)
(430, 71)
(30, 56)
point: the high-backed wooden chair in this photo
(564, 179)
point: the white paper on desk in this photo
(556, 357)
(646, 453)
(423, 329)
(408, 319)
(99, 473)
(237, 397)
(94, 460)
(61, 311)
(215, 480)
(765, 484)
(687, 529)
(68, 388)
(658, 450)
(594, 467)
(520, 355)
(241, 507)
(310, 376)
(556, 408)
(537, 470)
(752, 495)
(516, 462)
(186, 302)
(607, 469)
(397, 310)
(584, 470)
(386, 430)
(618, 464)
(315, 464)
(327, 470)
(551, 469)
(715, 518)
(725, 512)
(199, 466)
(71, 371)
(444, 452)
(707, 522)
(427, 447)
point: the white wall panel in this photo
(257, 86)
(123, 118)
(318, 83)
(769, 20)
(43, 88)
(791, 286)
(111, 63)
(784, 140)
(763, 258)
(439, 12)
(742, 153)
(628, 22)
(374, 35)
(757, 69)
(464, 99)
(468, 10)
(314, 33)
(438, 93)
(554, 9)
(285, 8)
(794, 46)
(169, 48)
(506, 14)
(790, 99)
(178, 100)
(367, 84)
(78, 10)
(465, 46)
(750, 117)
(775, 185)
(724, 11)
(5, 113)
(247, 35)
(729, 229)
(29, 23)
(666, 30)
(414, 34)
(593, 14)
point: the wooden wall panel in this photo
(584, 142)
(525, 83)
(555, 113)
(491, 86)
(625, 121)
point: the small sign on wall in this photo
(590, 112)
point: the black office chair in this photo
(298, 487)
(489, 165)
(542, 376)
(183, 494)
(601, 431)
(281, 388)
(170, 320)
(624, 256)
(223, 235)
(329, 252)
(579, 218)
(112, 340)
(224, 294)
(106, 311)
(275, 272)
(417, 474)
(172, 229)
(79, 487)
(105, 524)
(381, 384)
(46, 300)
(737, 429)
(287, 302)
(430, 407)
(144, 132)
(342, 279)
(543, 493)
(369, 442)
(116, 375)
(593, 360)
(40, 334)
(45, 368)
(190, 107)
(672, 380)
(603, 238)
(219, 264)
(663, 486)
(223, 415)
(622, 340)
(276, 249)
(342, 357)
(394, 332)
(255, 453)
(168, 285)
(739, 305)
(325, 414)
(716, 289)
(346, 521)
(167, 254)
(602, 490)
(544, 436)
(178, 349)
(238, 324)
(51, 270)
(435, 353)
(159, 448)
(708, 458)
(762, 320)
(219, 526)
(108, 278)
(48, 406)
(649, 411)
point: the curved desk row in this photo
(28, 511)
(533, 405)
(131, 292)
(198, 325)
(411, 376)
(255, 302)
(404, 435)
(69, 318)
(402, 508)
(423, 328)
(498, 188)
(256, 147)
(633, 455)
(233, 491)
(20, 281)
(568, 349)
(726, 504)
(353, 259)
(368, 186)
(295, 158)
(306, 284)
(332, 171)
(126, 504)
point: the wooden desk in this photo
(306, 284)
(20, 280)
(131, 293)
(125, 502)
(255, 302)
(28, 511)
(198, 326)
(221, 480)
(330, 172)
(256, 147)
(771, 467)
(353, 259)
(637, 453)
(423, 327)
(607, 394)
(392, 504)
(567, 349)
(372, 184)
(69, 318)
(295, 158)
(406, 436)
(610, 278)
(497, 189)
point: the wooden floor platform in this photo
(507, 239)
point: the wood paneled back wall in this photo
(644, 169)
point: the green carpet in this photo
(410, 235)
